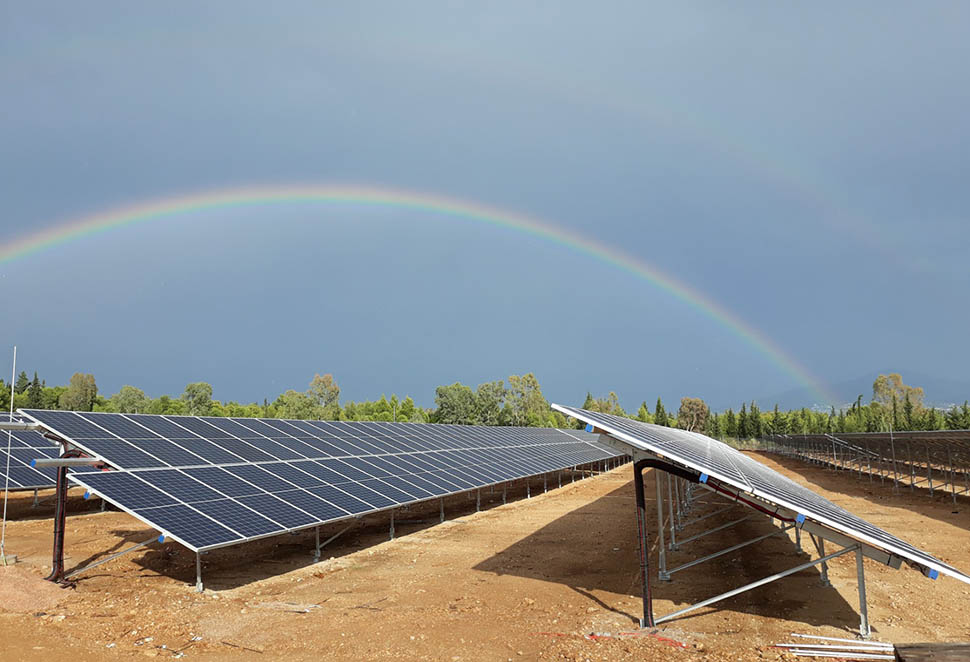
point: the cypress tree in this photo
(35, 394)
(23, 381)
(660, 414)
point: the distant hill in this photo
(940, 391)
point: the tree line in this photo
(517, 401)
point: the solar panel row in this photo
(210, 482)
(727, 465)
(25, 445)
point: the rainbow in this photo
(103, 222)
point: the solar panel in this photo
(721, 462)
(209, 482)
(26, 445)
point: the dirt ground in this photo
(533, 579)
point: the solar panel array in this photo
(210, 482)
(729, 466)
(26, 445)
(943, 447)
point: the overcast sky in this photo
(804, 166)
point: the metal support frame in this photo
(864, 629)
(761, 582)
(788, 522)
(198, 573)
(716, 529)
(661, 547)
(74, 573)
(732, 548)
(60, 517)
(478, 501)
(320, 546)
(820, 548)
(392, 525)
(647, 619)
(670, 507)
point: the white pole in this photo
(6, 478)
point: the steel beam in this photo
(752, 585)
(728, 550)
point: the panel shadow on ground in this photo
(605, 566)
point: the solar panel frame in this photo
(375, 472)
(695, 451)
(26, 445)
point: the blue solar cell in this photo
(69, 424)
(238, 517)
(184, 488)
(204, 429)
(410, 489)
(124, 488)
(421, 481)
(328, 475)
(294, 473)
(278, 511)
(347, 467)
(360, 491)
(123, 455)
(313, 502)
(340, 498)
(195, 529)
(390, 492)
(221, 480)
(259, 476)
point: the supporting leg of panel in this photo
(760, 582)
(544, 486)
(573, 475)
(798, 537)
(392, 526)
(929, 470)
(316, 544)
(478, 501)
(820, 546)
(528, 490)
(198, 572)
(675, 484)
(441, 505)
(661, 547)
(559, 478)
(36, 502)
(953, 475)
(670, 507)
(504, 490)
(60, 515)
(647, 619)
(912, 468)
(864, 630)
(104, 505)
